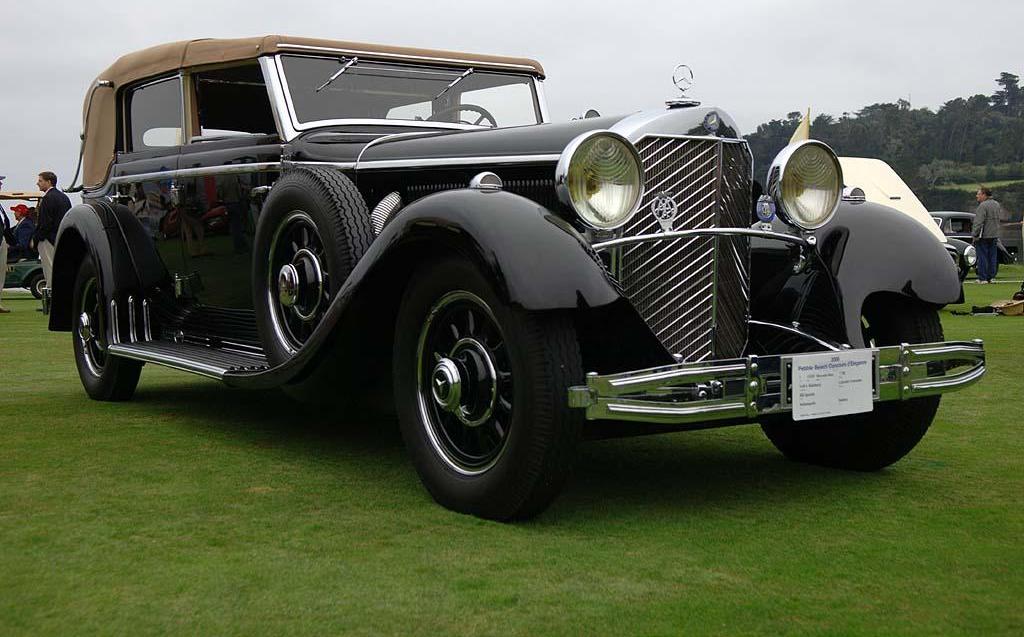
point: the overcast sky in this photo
(756, 59)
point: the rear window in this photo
(960, 226)
(154, 115)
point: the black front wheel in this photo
(876, 439)
(104, 376)
(481, 391)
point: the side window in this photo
(231, 102)
(154, 115)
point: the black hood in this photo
(540, 141)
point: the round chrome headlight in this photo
(971, 256)
(807, 182)
(600, 176)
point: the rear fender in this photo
(119, 246)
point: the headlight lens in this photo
(971, 256)
(807, 182)
(600, 176)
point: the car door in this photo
(152, 126)
(233, 148)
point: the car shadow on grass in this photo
(681, 473)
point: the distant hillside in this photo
(967, 142)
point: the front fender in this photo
(535, 258)
(870, 248)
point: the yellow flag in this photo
(803, 129)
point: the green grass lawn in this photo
(973, 186)
(203, 510)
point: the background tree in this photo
(968, 140)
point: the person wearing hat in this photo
(5, 224)
(52, 208)
(22, 233)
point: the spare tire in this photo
(313, 229)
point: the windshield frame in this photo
(281, 84)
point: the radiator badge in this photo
(665, 210)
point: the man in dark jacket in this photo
(52, 207)
(985, 230)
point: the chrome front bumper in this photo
(745, 388)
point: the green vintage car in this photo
(27, 273)
(24, 272)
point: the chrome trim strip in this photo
(132, 335)
(224, 169)
(387, 138)
(147, 330)
(455, 161)
(542, 100)
(680, 234)
(115, 323)
(793, 330)
(706, 138)
(174, 362)
(341, 165)
(320, 123)
(278, 101)
(400, 56)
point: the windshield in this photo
(366, 89)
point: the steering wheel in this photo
(485, 115)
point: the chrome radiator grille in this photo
(693, 292)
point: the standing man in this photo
(985, 231)
(5, 226)
(52, 207)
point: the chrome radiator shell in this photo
(694, 293)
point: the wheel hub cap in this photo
(85, 327)
(478, 382)
(288, 285)
(446, 385)
(300, 284)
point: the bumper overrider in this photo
(745, 388)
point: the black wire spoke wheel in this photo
(465, 383)
(298, 279)
(91, 329)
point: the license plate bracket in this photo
(827, 384)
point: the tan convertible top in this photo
(101, 127)
(20, 195)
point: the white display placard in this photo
(831, 384)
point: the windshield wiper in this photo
(468, 72)
(343, 68)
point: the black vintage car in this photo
(406, 228)
(957, 226)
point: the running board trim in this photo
(187, 360)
